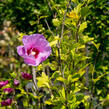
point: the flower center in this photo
(33, 51)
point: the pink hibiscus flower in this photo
(26, 76)
(16, 82)
(35, 50)
(8, 90)
(3, 83)
(6, 102)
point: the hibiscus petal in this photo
(21, 51)
(16, 82)
(36, 41)
(26, 76)
(6, 102)
(41, 57)
(30, 40)
(30, 61)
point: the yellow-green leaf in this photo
(60, 79)
(96, 45)
(48, 102)
(54, 42)
(83, 26)
(56, 22)
(43, 81)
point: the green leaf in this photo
(81, 72)
(14, 75)
(53, 65)
(21, 36)
(55, 41)
(32, 23)
(63, 92)
(87, 39)
(96, 45)
(19, 95)
(81, 47)
(56, 22)
(85, 11)
(59, 106)
(75, 77)
(99, 77)
(75, 1)
(77, 9)
(79, 96)
(33, 96)
(89, 1)
(41, 17)
(83, 26)
(60, 79)
(25, 102)
(48, 102)
(56, 74)
(43, 81)
(22, 91)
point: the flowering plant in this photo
(26, 75)
(8, 90)
(36, 49)
(3, 83)
(6, 102)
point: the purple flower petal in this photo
(8, 90)
(26, 76)
(32, 40)
(3, 83)
(42, 57)
(21, 50)
(30, 61)
(6, 102)
(35, 50)
(16, 82)
(36, 41)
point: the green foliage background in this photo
(76, 75)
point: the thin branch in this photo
(100, 103)
(34, 78)
(61, 36)
(78, 26)
(87, 68)
(49, 5)
(48, 26)
(63, 22)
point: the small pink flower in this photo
(3, 83)
(6, 102)
(8, 90)
(26, 76)
(35, 50)
(16, 82)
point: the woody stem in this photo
(34, 78)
